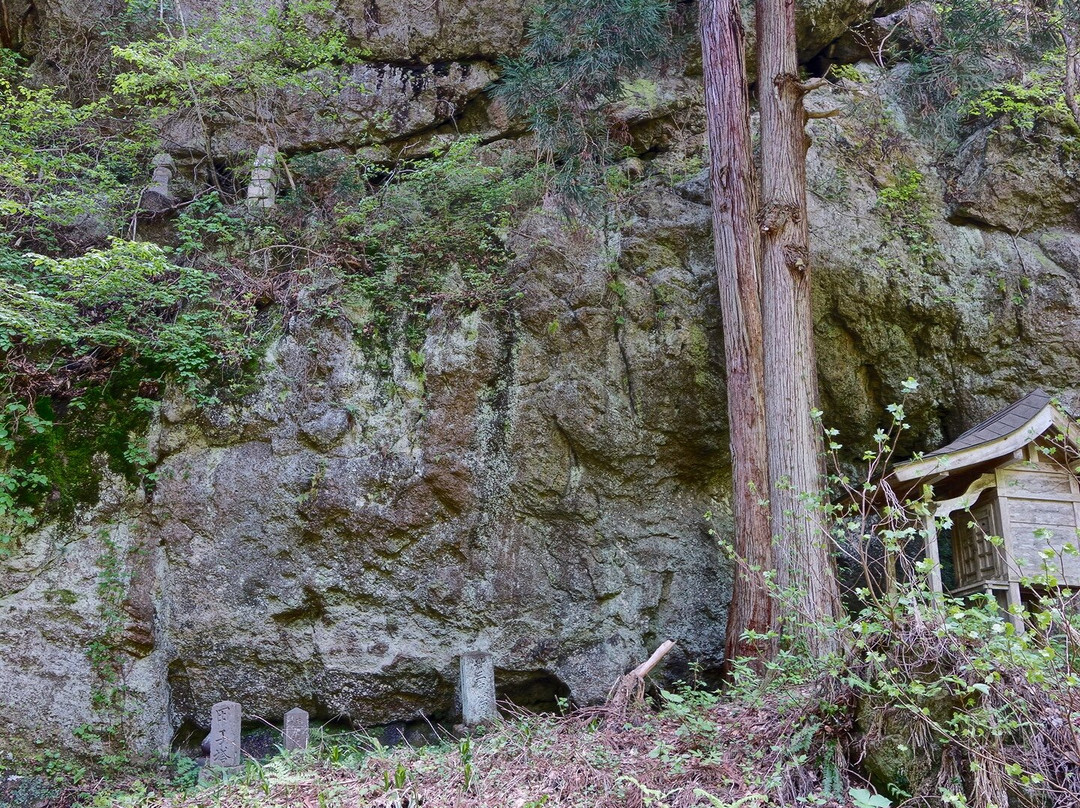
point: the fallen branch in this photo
(630, 689)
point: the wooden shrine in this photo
(1007, 477)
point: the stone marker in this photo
(164, 170)
(156, 197)
(261, 192)
(225, 735)
(296, 729)
(478, 688)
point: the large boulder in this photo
(338, 537)
(1016, 182)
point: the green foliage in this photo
(906, 205)
(70, 449)
(90, 322)
(863, 798)
(977, 58)
(16, 486)
(241, 61)
(576, 57)
(846, 73)
(465, 748)
(1021, 103)
(77, 332)
(83, 312)
(955, 672)
(941, 672)
(206, 225)
(128, 298)
(66, 172)
(432, 233)
(689, 706)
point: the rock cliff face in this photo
(335, 538)
(338, 537)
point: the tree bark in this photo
(738, 268)
(1070, 32)
(802, 553)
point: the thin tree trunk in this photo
(802, 552)
(738, 261)
(1070, 32)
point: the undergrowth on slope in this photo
(967, 713)
(948, 701)
(693, 749)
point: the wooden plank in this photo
(1004, 506)
(1014, 606)
(1074, 488)
(1018, 481)
(1042, 421)
(1070, 497)
(1028, 552)
(975, 558)
(964, 539)
(968, 498)
(1042, 512)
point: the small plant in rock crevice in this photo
(905, 204)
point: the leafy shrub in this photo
(86, 315)
(69, 326)
(127, 299)
(66, 172)
(935, 700)
(432, 233)
(1022, 103)
(239, 62)
(982, 712)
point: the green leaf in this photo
(862, 798)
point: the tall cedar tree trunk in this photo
(738, 269)
(802, 553)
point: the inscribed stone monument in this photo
(478, 688)
(296, 729)
(225, 734)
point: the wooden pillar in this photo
(1013, 601)
(1011, 568)
(932, 553)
